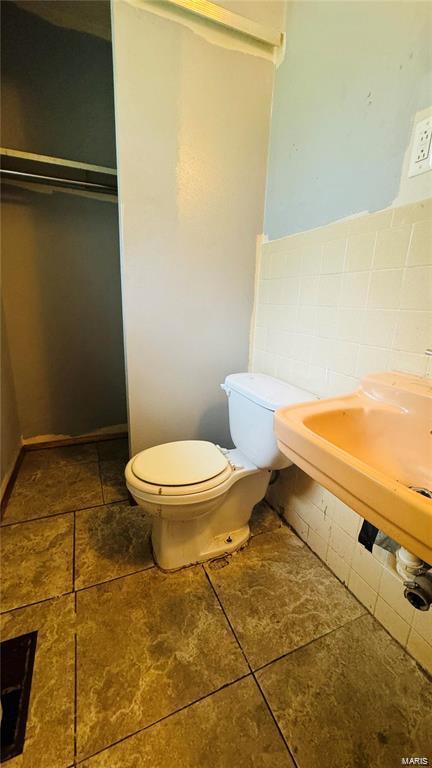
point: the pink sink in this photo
(370, 448)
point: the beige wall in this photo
(61, 293)
(10, 426)
(192, 127)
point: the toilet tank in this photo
(252, 401)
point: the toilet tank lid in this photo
(265, 390)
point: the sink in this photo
(371, 448)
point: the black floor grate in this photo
(17, 658)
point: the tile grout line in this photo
(250, 667)
(165, 717)
(123, 500)
(100, 476)
(55, 514)
(310, 642)
(76, 591)
(115, 578)
(75, 694)
(38, 602)
(273, 717)
(226, 617)
(73, 551)
(75, 698)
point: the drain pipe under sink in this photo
(417, 579)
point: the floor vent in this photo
(17, 658)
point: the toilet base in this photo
(224, 544)
(223, 528)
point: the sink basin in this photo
(370, 448)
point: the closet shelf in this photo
(57, 172)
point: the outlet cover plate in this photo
(421, 152)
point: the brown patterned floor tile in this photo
(36, 561)
(148, 645)
(110, 542)
(279, 596)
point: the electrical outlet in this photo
(421, 155)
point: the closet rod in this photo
(19, 156)
(58, 181)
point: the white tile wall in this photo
(334, 304)
(353, 297)
(330, 528)
(392, 621)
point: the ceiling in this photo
(90, 16)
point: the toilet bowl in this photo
(200, 495)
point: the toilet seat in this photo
(180, 469)
(183, 503)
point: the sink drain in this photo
(422, 491)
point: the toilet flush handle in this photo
(226, 452)
(222, 450)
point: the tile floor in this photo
(261, 660)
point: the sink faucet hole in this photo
(422, 491)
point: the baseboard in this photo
(56, 441)
(9, 479)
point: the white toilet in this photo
(201, 496)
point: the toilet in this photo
(200, 495)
